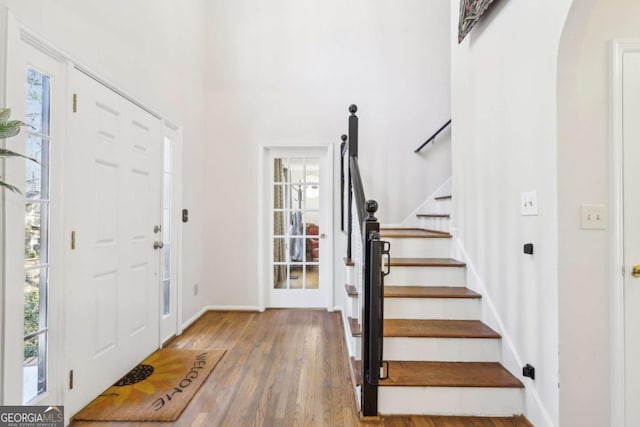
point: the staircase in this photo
(442, 359)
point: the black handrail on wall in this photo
(373, 250)
(433, 136)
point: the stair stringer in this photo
(511, 359)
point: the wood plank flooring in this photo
(282, 368)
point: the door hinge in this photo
(71, 379)
(75, 102)
(73, 240)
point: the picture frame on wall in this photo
(470, 13)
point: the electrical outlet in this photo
(593, 217)
(195, 289)
(529, 203)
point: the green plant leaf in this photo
(10, 187)
(8, 153)
(7, 130)
(5, 113)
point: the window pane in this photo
(35, 241)
(313, 171)
(311, 194)
(166, 297)
(280, 167)
(280, 276)
(167, 190)
(296, 170)
(166, 262)
(36, 173)
(35, 300)
(312, 277)
(166, 226)
(296, 276)
(34, 379)
(168, 159)
(38, 104)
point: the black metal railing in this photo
(370, 262)
(444, 126)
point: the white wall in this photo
(153, 51)
(285, 71)
(504, 143)
(583, 177)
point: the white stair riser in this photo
(419, 247)
(432, 308)
(459, 401)
(427, 276)
(438, 224)
(442, 349)
(354, 307)
(442, 206)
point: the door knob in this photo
(635, 271)
(323, 236)
(157, 228)
(158, 245)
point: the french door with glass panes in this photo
(300, 228)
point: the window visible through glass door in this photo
(296, 219)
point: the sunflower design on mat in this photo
(158, 389)
(158, 372)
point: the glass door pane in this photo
(296, 218)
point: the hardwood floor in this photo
(282, 368)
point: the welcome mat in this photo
(158, 389)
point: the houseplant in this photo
(9, 128)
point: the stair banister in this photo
(370, 266)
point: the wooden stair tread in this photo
(409, 233)
(450, 374)
(443, 197)
(424, 215)
(429, 292)
(351, 291)
(354, 326)
(426, 262)
(436, 328)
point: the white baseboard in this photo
(233, 308)
(204, 309)
(195, 317)
(511, 359)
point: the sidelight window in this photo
(36, 241)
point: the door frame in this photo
(264, 215)
(618, 48)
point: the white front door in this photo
(631, 166)
(299, 229)
(113, 194)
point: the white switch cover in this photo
(529, 203)
(593, 217)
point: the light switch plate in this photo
(529, 203)
(593, 217)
